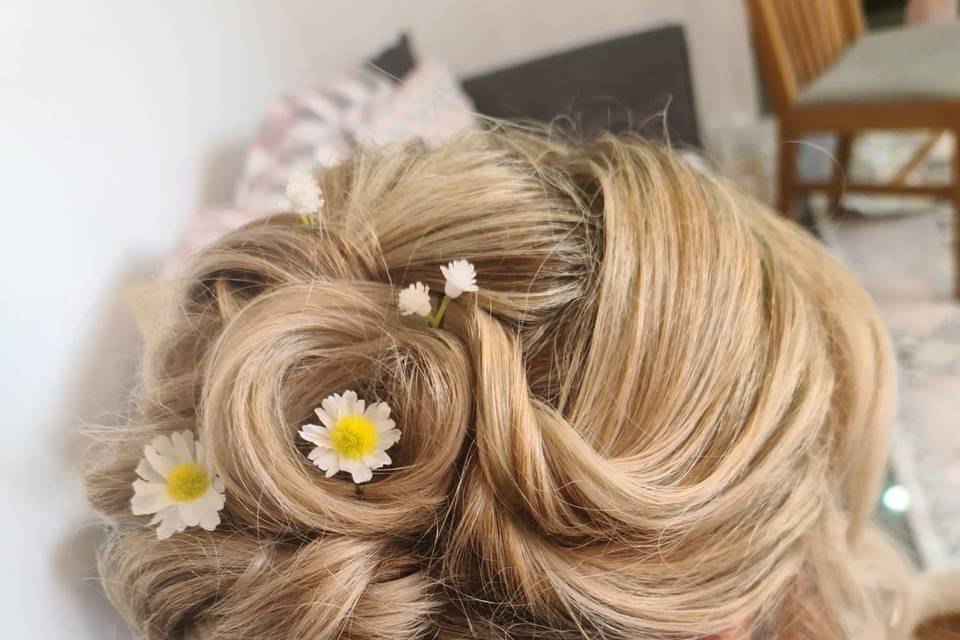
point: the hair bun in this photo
(275, 362)
(659, 417)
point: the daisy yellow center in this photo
(353, 437)
(187, 481)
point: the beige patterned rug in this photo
(905, 263)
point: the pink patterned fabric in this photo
(309, 128)
(323, 124)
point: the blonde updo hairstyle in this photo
(662, 416)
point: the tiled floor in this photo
(904, 261)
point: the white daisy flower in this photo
(415, 299)
(460, 276)
(353, 437)
(303, 193)
(178, 485)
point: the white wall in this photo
(119, 117)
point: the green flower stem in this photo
(309, 220)
(434, 321)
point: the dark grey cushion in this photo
(618, 85)
(396, 61)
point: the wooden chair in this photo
(823, 74)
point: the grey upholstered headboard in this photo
(623, 84)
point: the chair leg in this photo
(917, 159)
(840, 169)
(956, 213)
(787, 172)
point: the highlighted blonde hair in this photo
(662, 416)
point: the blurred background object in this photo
(860, 113)
(919, 11)
(823, 74)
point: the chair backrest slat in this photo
(833, 31)
(797, 39)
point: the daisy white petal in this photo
(144, 488)
(377, 460)
(170, 523)
(316, 435)
(325, 417)
(460, 276)
(415, 300)
(210, 520)
(192, 444)
(388, 439)
(348, 405)
(177, 484)
(379, 412)
(304, 193)
(331, 409)
(182, 451)
(333, 469)
(324, 458)
(149, 499)
(163, 464)
(163, 445)
(146, 471)
(355, 438)
(167, 529)
(383, 426)
(361, 474)
(202, 508)
(191, 512)
(358, 470)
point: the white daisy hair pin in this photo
(460, 277)
(415, 300)
(351, 436)
(177, 485)
(305, 197)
